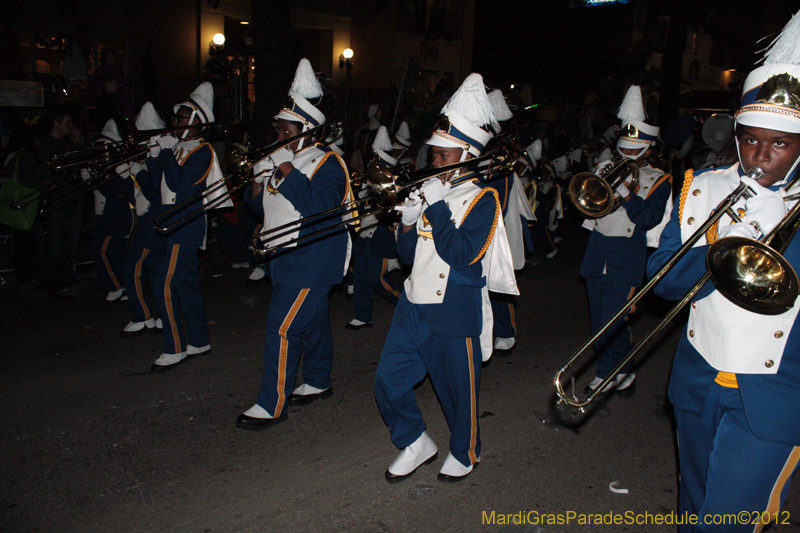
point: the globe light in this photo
(219, 39)
(348, 53)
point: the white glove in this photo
(155, 149)
(284, 155)
(764, 210)
(136, 168)
(122, 169)
(434, 190)
(738, 229)
(167, 142)
(86, 174)
(263, 170)
(410, 210)
(623, 190)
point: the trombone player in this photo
(298, 181)
(735, 381)
(615, 258)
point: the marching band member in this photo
(113, 222)
(734, 382)
(373, 249)
(516, 213)
(442, 324)
(188, 165)
(300, 180)
(614, 261)
(149, 246)
(401, 144)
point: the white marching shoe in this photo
(194, 350)
(626, 384)
(134, 329)
(453, 471)
(501, 343)
(258, 273)
(116, 296)
(420, 452)
(590, 388)
(168, 361)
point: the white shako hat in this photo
(635, 133)
(500, 108)
(465, 118)
(110, 131)
(148, 118)
(201, 102)
(402, 139)
(305, 87)
(771, 93)
(382, 146)
(717, 131)
(533, 153)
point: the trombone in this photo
(595, 195)
(383, 189)
(241, 164)
(750, 273)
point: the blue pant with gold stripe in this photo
(454, 365)
(726, 470)
(369, 273)
(606, 297)
(108, 255)
(178, 292)
(297, 321)
(505, 325)
(140, 265)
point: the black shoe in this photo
(628, 391)
(305, 399)
(353, 327)
(253, 424)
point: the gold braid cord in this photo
(687, 183)
(663, 178)
(494, 223)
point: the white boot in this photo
(258, 273)
(453, 470)
(626, 384)
(501, 343)
(168, 361)
(134, 329)
(193, 350)
(421, 451)
(596, 383)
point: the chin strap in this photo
(637, 156)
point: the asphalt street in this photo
(94, 442)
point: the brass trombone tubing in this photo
(415, 178)
(723, 208)
(105, 175)
(239, 174)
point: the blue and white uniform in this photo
(302, 275)
(113, 222)
(614, 263)
(735, 380)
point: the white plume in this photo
(382, 141)
(499, 105)
(786, 46)
(148, 118)
(403, 131)
(632, 108)
(305, 81)
(471, 102)
(110, 130)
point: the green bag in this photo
(11, 191)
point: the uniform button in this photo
(694, 305)
(629, 230)
(778, 334)
(313, 160)
(769, 363)
(453, 220)
(438, 293)
(441, 276)
(696, 192)
(646, 188)
(690, 221)
(465, 203)
(691, 333)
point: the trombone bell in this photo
(752, 275)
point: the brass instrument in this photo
(750, 273)
(241, 165)
(595, 194)
(383, 188)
